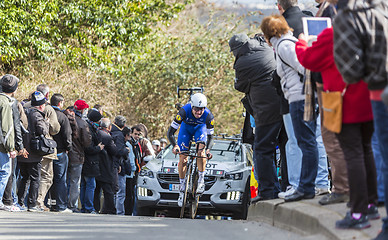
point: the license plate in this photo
(174, 187)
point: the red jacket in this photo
(320, 58)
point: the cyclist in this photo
(196, 121)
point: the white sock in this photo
(201, 176)
(182, 181)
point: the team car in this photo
(227, 181)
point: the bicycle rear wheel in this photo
(188, 176)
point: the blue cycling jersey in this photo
(191, 127)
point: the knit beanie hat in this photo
(94, 115)
(9, 83)
(37, 99)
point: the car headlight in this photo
(145, 172)
(234, 176)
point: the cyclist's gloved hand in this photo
(208, 154)
(176, 149)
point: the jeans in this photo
(379, 166)
(8, 197)
(380, 115)
(73, 184)
(88, 185)
(120, 195)
(322, 179)
(305, 133)
(265, 150)
(5, 170)
(293, 153)
(59, 187)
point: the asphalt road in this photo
(26, 225)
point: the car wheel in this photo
(243, 213)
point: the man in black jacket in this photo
(91, 166)
(64, 141)
(30, 166)
(254, 65)
(105, 180)
(119, 166)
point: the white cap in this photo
(156, 142)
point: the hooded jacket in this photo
(254, 65)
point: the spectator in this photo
(30, 167)
(356, 134)
(361, 53)
(46, 179)
(9, 85)
(60, 165)
(147, 152)
(293, 16)
(163, 143)
(7, 147)
(156, 146)
(276, 31)
(118, 161)
(130, 182)
(80, 141)
(137, 151)
(317, 58)
(105, 180)
(91, 166)
(254, 64)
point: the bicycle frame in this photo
(191, 176)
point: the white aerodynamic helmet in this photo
(198, 100)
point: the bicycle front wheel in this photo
(194, 202)
(188, 176)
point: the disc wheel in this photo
(188, 175)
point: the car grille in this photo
(174, 196)
(166, 179)
(169, 178)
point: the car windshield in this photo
(224, 151)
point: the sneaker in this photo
(45, 209)
(22, 208)
(373, 212)
(201, 187)
(289, 191)
(2, 206)
(350, 222)
(35, 209)
(332, 198)
(12, 208)
(321, 191)
(66, 211)
(180, 199)
(76, 210)
(93, 212)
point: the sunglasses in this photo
(198, 109)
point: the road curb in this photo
(305, 217)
